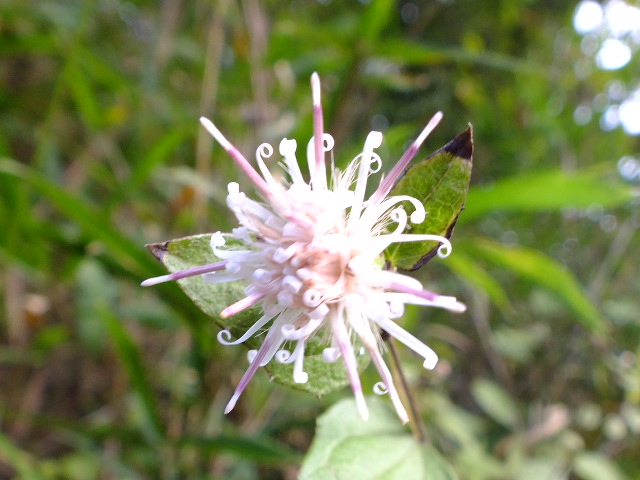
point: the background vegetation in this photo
(102, 152)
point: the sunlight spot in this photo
(613, 54)
(588, 16)
(630, 114)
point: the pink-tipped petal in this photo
(399, 168)
(240, 160)
(343, 341)
(251, 371)
(241, 305)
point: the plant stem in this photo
(405, 392)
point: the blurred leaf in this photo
(519, 343)
(253, 448)
(462, 426)
(94, 289)
(412, 53)
(84, 96)
(380, 448)
(20, 460)
(90, 219)
(377, 15)
(540, 468)
(130, 357)
(189, 252)
(595, 466)
(440, 183)
(473, 273)
(496, 402)
(544, 271)
(551, 190)
(157, 155)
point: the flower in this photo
(311, 256)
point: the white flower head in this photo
(311, 257)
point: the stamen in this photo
(265, 150)
(374, 140)
(288, 151)
(319, 171)
(224, 336)
(330, 354)
(299, 375)
(262, 276)
(283, 356)
(241, 305)
(396, 172)
(343, 341)
(290, 332)
(393, 329)
(240, 160)
(311, 298)
(253, 368)
(380, 388)
(191, 272)
(432, 299)
(374, 212)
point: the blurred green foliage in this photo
(101, 152)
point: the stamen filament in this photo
(213, 267)
(240, 160)
(320, 177)
(396, 172)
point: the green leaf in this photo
(496, 402)
(473, 273)
(440, 183)
(595, 466)
(551, 190)
(543, 270)
(380, 448)
(189, 252)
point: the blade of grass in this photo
(131, 360)
(23, 462)
(543, 270)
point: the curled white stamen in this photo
(374, 140)
(284, 356)
(281, 255)
(400, 334)
(217, 240)
(224, 336)
(288, 151)
(265, 150)
(376, 163)
(380, 389)
(292, 284)
(320, 312)
(311, 298)
(285, 298)
(262, 276)
(299, 375)
(330, 354)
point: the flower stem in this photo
(415, 421)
